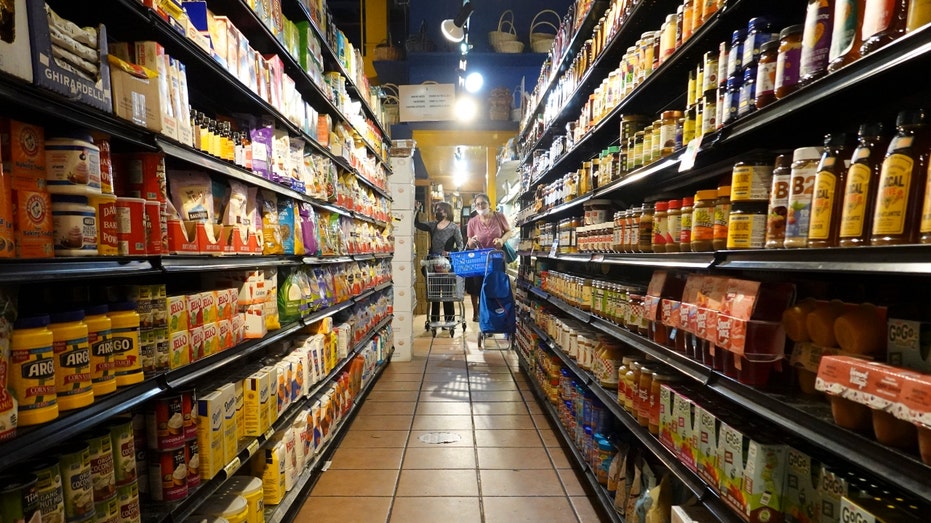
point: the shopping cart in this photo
(444, 287)
(496, 305)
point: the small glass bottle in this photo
(648, 145)
(766, 74)
(846, 36)
(759, 31)
(735, 54)
(688, 7)
(787, 61)
(731, 100)
(645, 229)
(673, 225)
(746, 102)
(703, 221)
(660, 226)
(722, 211)
(816, 41)
(883, 22)
(685, 224)
(860, 189)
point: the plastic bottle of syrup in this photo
(828, 194)
(860, 189)
(798, 213)
(816, 41)
(846, 34)
(883, 22)
(900, 181)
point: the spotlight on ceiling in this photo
(474, 82)
(466, 109)
(452, 27)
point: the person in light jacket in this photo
(488, 229)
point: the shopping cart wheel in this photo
(480, 339)
(452, 332)
(426, 325)
(433, 331)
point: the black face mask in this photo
(440, 215)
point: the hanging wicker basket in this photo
(510, 47)
(505, 32)
(391, 106)
(541, 42)
(385, 52)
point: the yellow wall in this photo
(491, 140)
(376, 30)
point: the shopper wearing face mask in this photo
(488, 229)
(445, 237)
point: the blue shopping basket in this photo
(474, 263)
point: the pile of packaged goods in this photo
(752, 468)
(191, 436)
(307, 289)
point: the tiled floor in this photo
(505, 464)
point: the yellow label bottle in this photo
(32, 371)
(822, 205)
(100, 341)
(901, 181)
(126, 358)
(855, 195)
(72, 360)
(892, 199)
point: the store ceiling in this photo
(442, 164)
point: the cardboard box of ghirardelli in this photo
(14, 39)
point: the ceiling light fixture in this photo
(474, 82)
(452, 27)
(466, 109)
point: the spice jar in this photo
(673, 225)
(746, 100)
(703, 221)
(667, 134)
(648, 145)
(722, 211)
(642, 401)
(660, 227)
(645, 229)
(746, 227)
(766, 74)
(759, 31)
(798, 211)
(735, 54)
(730, 100)
(778, 203)
(709, 120)
(656, 152)
(751, 180)
(787, 61)
(685, 225)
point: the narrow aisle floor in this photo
(505, 465)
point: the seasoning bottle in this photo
(657, 151)
(778, 203)
(846, 34)
(735, 54)
(751, 180)
(688, 125)
(766, 74)
(883, 22)
(703, 221)
(901, 181)
(828, 193)
(685, 224)
(860, 189)
(722, 211)
(648, 145)
(638, 150)
(688, 7)
(816, 41)
(746, 227)
(667, 133)
(645, 229)
(709, 120)
(787, 61)
(798, 212)
(667, 44)
(660, 227)
(673, 225)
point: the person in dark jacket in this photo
(445, 237)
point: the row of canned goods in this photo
(92, 479)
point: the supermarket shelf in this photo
(317, 260)
(383, 255)
(556, 210)
(607, 503)
(578, 314)
(669, 460)
(904, 259)
(27, 102)
(582, 32)
(188, 374)
(378, 190)
(295, 10)
(679, 260)
(31, 442)
(290, 506)
(182, 263)
(809, 420)
(53, 269)
(327, 312)
(249, 447)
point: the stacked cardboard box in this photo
(403, 267)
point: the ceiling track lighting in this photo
(452, 28)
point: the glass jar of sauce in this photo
(787, 61)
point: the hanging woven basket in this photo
(541, 42)
(505, 32)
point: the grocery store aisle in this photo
(452, 436)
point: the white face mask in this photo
(483, 211)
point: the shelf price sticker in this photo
(691, 152)
(231, 467)
(554, 247)
(253, 448)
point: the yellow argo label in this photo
(32, 376)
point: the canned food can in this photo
(168, 475)
(75, 466)
(102, 477)
(128, 501)
(48, 485)
(188, 400)
(19, 498)
(124, 451)
(193, 464)
(107, 511)
(130, 217)
(165, 423)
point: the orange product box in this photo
(208, 303)
(140, 175)
(22, 148)
(195, 307)
(197, 343)
(225, 334)
(208, 238)
(182, 237)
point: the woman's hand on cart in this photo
(498, 243)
